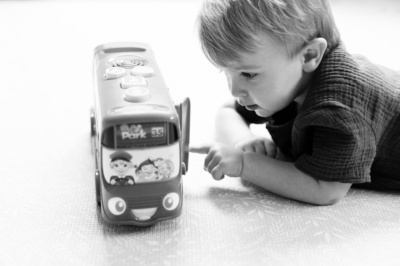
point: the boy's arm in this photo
(279, 177)
(284, 179)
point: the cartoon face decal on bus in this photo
(150, 170)
(153, 163)
(140, 165)
(120, 164)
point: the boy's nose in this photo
(238, 92)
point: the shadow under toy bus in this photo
(140, 138)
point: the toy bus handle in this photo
(121, 47)
(184, 119)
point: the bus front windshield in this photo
(140, 153)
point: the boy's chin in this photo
(262, 113)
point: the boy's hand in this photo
(258, 145)
(221, 160)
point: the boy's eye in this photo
(248, 75)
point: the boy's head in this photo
(228, 28)
(268, 49)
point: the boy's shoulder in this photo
(343, 77)
(342, 68)
(351, 88)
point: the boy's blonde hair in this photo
(228, 28)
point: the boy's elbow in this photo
(331, 193)
(327, 201)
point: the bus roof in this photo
(111, 107)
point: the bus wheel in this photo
(97, 182)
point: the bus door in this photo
(183, 111)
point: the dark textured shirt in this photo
(348, 128)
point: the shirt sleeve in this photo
(340, 147)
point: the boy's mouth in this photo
(252, 107)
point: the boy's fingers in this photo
(217, 173)
(200, 149)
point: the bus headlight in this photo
(171, 201)
(117, 206)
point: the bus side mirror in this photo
(183, 111)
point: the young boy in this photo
(334, 118)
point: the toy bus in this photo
(140, 138)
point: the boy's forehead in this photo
(245, 63)
(264, 48)
(263, 56)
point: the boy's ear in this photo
(313, 53)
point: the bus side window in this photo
(173, 133)
(108, 138)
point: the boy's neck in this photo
(299, 100)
